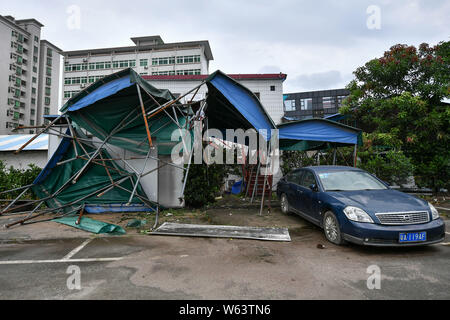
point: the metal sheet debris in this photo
(234, 232)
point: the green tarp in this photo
(90, 225)
(95, 178)
(112, 105)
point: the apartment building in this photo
(29, 75)
(148, 56)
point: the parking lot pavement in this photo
(155, 267)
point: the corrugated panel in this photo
(14, 142)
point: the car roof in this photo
(319, 169)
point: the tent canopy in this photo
(233, 106)
(112, 106)
(314, 134)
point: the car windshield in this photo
(349, 181)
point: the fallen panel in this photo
(193, 230)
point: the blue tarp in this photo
(106, 90)
(57, 156)
(319, 130)
(243, 101)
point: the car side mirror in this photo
(314, 187)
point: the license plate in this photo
(413, 237)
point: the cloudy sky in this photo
(318, 43)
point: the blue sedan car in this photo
(352, 205)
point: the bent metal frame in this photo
(96, 157)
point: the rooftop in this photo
(251, 76)
(15, 141)
(144, 44)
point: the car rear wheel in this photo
(284, 204)
(332, 229)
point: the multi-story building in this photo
(267, 87)
(313, 104)
(149, 56)
(29, 74)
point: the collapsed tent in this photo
(231, 105)
(115, 151)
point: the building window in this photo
(328, 102)
(49, 61)
(35, 69)
(33, 90)
(36, 38)
(33, 101)
(49, 52)
(18, 82)
(272, 88)
(289, 105)
(143, 62)
(35, 59)
(46, 110)
(48, 81)
(47, 102)
(35, 50)
(49, 71)
(47, 91)
(34, 80)
(306, 104)
(31, 122)
(32, 112)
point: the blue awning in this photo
(244, 101)
(320, 130)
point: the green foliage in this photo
(392, 167)
(14, 178)
(291, 160)
(397, 100)
(204, 184)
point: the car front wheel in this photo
(284, 204)
(332, 229)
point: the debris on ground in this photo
(136, 223)
(91, 225)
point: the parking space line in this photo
(77, 249)
(60, 261)
(66, 259)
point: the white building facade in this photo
(149, 56)
(29, 75)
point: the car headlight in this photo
(434, 212)
(357, 214)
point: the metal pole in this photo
(15, 200)
(38, 134)
(143, 115)
(355, 156)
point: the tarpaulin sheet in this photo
(317, 131)
(95, 178)
(233, 106)
(90, 225)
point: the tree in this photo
(398, 100)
